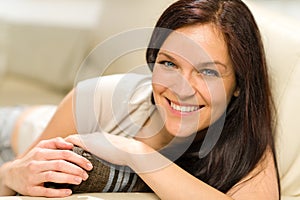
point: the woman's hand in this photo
(49, 161)
(111, 148)
(119, 150)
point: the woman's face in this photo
(193, 79)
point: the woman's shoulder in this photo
(130, 87)
(117, 104)
(260, 182)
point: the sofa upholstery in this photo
(43, 43)
(281, 37)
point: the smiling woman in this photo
(200, 125)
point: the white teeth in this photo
(184, 108)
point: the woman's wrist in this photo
(145, 159)
(4, 189)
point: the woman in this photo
(209, 81)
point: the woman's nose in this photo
(183, 87)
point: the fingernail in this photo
(85, 176)
(78, 180)
(89, 166)
(68, 192)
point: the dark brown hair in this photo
(249, 124)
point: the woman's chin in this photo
(181, 132)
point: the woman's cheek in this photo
(218, 98)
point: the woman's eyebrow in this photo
(167, 55)
(200, 64)
(216, 62)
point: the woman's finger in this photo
(50, 154)
(75, 140)
(55, 143)
(59, 166)
(58, 177)
(48, 192)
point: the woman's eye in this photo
(168, 64)
(210, 72)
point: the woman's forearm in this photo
(164, 177)
(172, 182)
(169, 181)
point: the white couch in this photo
(282, 41)
(43, 43)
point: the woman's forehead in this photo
(197, 43)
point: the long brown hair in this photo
(249, 124)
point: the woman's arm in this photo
(164, 177)
(168, 180)
(172, 182)
(47, 160)
(62, 123)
